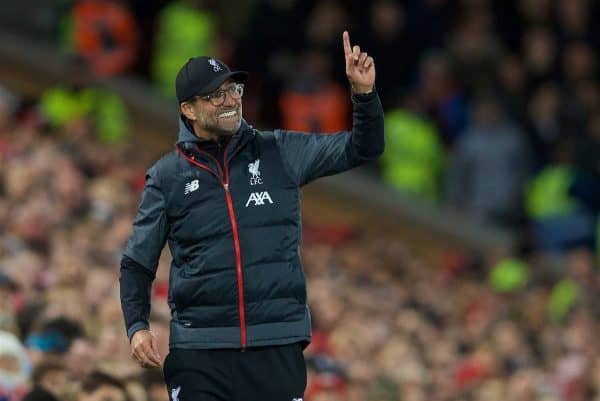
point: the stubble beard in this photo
(211, 123)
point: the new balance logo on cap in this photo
(216, 67)
(259, 198)
(191, 186)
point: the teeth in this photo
(228, 114)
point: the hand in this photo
(144, 349)
(360, 67)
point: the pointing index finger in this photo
(346, 40)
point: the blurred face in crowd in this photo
(578, 61)
(111, 345)
(81, 358)
(573, 15)
(387, 18)
(511, 74)
(545, 103)
(435, 77)
(56, 382)
(65, 301)
(539, 50)
(535, 10)
(9, 364)
(13, 371)
(217, 114)
(325, 22)
(11, 374)
(31, 221)
(487, 112)
(67, 184)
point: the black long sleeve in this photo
(312, 155)
(136, 286)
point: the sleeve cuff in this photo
(137, 326)
(363, 98)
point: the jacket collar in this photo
(185, 133)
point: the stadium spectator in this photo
(385, 34)
(184, 28)
(81, 107)
(105, 34)
(102, 386)
(311, 100)
(14, 368)
(490, 167)
(50, 382)
(443, 98)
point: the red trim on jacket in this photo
(234, 228)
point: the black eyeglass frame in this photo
(218, 97)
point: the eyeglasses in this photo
(217, 98)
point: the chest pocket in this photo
(196, 206)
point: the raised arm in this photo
(309, 156)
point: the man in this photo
(50, 381)
(14, 367)
(228, 201)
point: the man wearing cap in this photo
(227, 201)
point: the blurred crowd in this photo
(66, 204)
(387, 324)
(492, 111)
(492, 107)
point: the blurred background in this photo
(461, 266)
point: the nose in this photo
(229, 100)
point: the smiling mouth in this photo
(228, 114)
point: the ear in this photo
(187, 109)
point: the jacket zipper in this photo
(234, 228)
(238, 253)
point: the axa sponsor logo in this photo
(259, 199)
(191, 186)
(255, 178)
